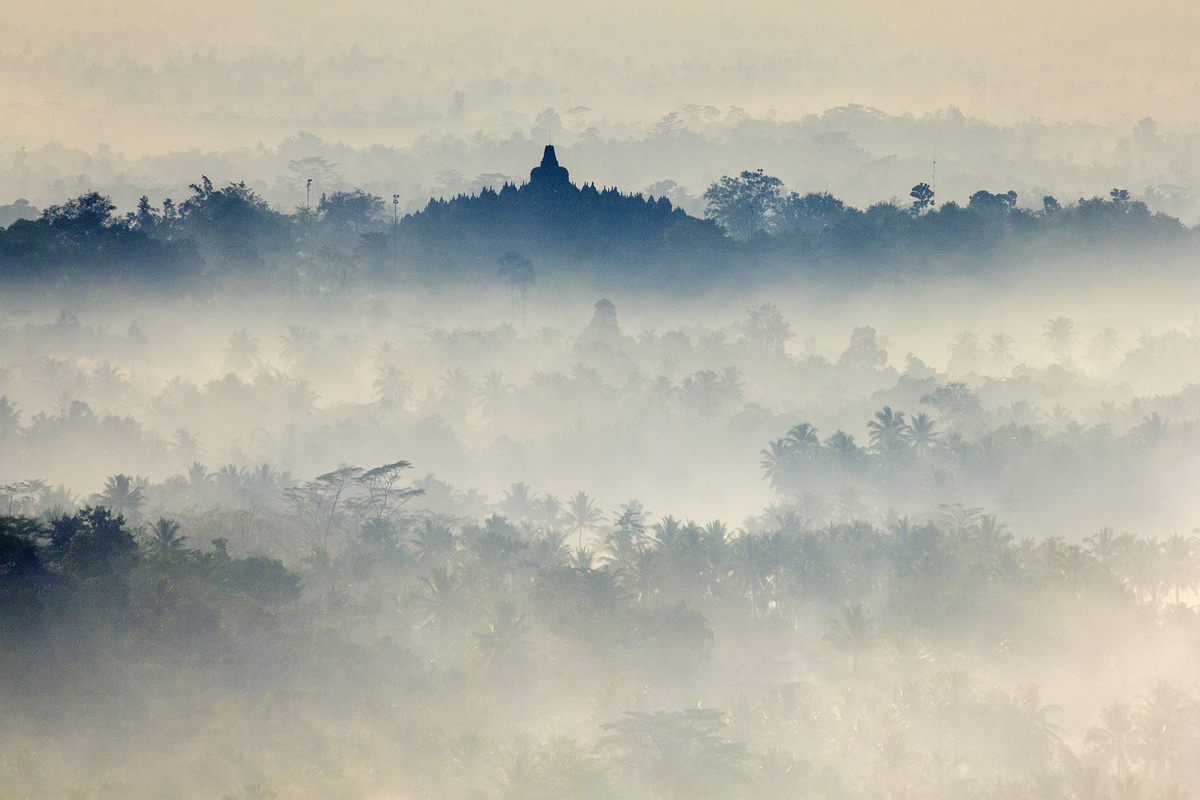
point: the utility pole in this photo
(395, 229)
(308, 195)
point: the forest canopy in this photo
(751, 223)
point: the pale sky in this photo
(149, 77)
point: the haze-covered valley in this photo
(818, 418)
(676, 418)
(665, 400)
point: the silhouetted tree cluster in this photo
(897, 627)
(231, 234)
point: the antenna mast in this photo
(934, 178)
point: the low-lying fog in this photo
(782, 541)
(481, 394)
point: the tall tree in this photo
(922, 195)
(165, 535)
(1059, 335)
(744, 204)
(856, 632)
(122, 496)
(1115, 738)
(583, 514)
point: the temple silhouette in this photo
(551, 219)
(549, 173)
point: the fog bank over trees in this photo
(817, 419)
(930, 539)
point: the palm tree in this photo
(384, 354)
(495, 395)
(758, 561)
(676, 754)
(1114, 739)
(732, 386)
(582, 514)
(1163, 725)
(299, 346)
(230, 480)
(392, 388)
(663, 392)
(1141, 562)
(551, 511)
(264, 483)
(107, 381)
(1000, 351)
(433, 544)
(1180, 559)
(442, 596)
(777, 464)
(921, 435)
(242, 352)
(856, 633)
(1034, 728)
(164, 535)
(965, 353)
(1103, 546)
(583, 560)
(627, 538)
(665, 532)
(200, 481)
(992, 532)
(548, 550)
(502, 643)
(186, 444)
(803, 437)
(845, 452)
(1087, 782)
(122, 496)
(519, 503)
(458, 392)
(1106, 346)
(519, 769)
(702, 393)
(1059, 334)
(888, 431)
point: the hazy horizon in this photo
(131, 98)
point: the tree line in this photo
(231, 233)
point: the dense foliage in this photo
(231, 235)
(438, 657)
(927, 606)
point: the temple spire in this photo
(549, 171)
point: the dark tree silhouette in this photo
(743, 205)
